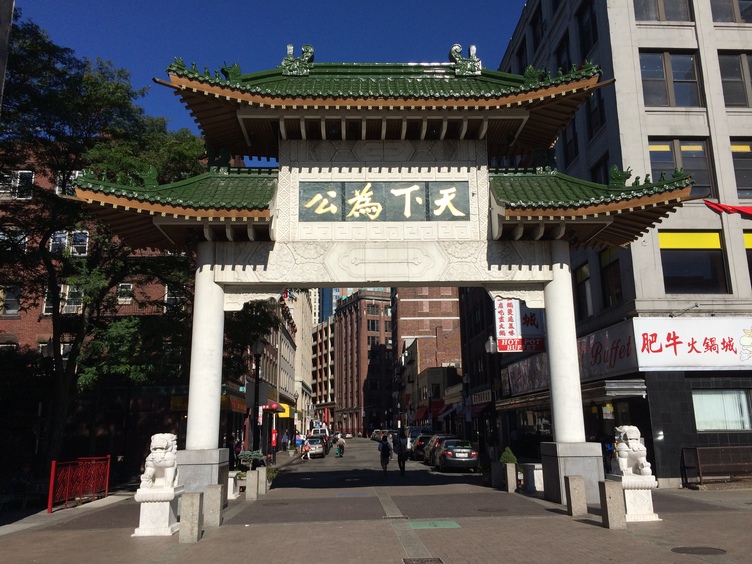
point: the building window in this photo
(373, 309)
(64, 185)
(563, 60)
(722, 410)
(596, 114)
(571, 144)
(373, 340)
(174, 298)
(76, 242)
(73, 300)
(610, 278)
(662, 11)
(536, 27)
(736, 78)
(12, 240)
(599, 171)
(586, 22)
(373, 325)
(9, 300)
(583, 292)
(17, 185)
(521, 57)
(741, 152)
(124, 293)
(670, 79)
(693, 262)
(748, 247)
(739, 11)
(692, 156)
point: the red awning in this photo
(420, 414)
(478, 408)
(273, 407)
(437, 407)
(724, 208)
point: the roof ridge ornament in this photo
(297, 66)
(471, 66)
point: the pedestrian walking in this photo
(305, 450)
(386, 453)
(341, 444)
(400, 449)
(285, 440)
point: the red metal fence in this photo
(85, 479)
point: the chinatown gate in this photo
(388, 175)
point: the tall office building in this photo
(664, 324)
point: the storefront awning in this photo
(479, 408)
(592, 391)
(273, 407)
(447, 412)
(420, 414)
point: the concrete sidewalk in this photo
(396, 522)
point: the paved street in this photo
(345, 510)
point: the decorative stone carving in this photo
(630, 452)
(161, 466)
(159, 492)
(635, 475)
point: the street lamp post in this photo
(258, 349)
(295, 396)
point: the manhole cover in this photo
(698, 550)
(422, 561)
(492, 509)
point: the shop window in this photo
(691, 155)
(736, 78)
(586, 22)
(722, 410)
(693, 262)
(739, 11)
(583, 292)
(611, 288)
(670, 79)
(741, 152)
(663, 10)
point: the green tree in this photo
(59, 113)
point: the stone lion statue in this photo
(630, 452)
(161, 466)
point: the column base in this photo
(571, 459)
(200, 468)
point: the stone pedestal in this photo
(233, 489)
(571, 459)
(638, 496)
(199, 468)
(159, 510)
(532, 477)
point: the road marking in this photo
(410, 541)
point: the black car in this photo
(418, 444)
(429, 450)
(456, 453)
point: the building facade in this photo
(322, 365)
(663, 323)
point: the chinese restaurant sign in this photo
(507, 317)
(693, 343)
(384, 201)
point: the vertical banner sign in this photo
(507, 316)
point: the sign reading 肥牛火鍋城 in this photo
(384, 201)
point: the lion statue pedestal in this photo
(635, 475)
(159, 492)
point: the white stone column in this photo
(205, 389)
(561, 341)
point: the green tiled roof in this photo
(545, 188)
(221, 189)
(381, 81)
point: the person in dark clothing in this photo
(400, 449)
(386, 453)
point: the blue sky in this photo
(144, 36)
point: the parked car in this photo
(413, 433)
(318, 448)
(376, 434)
(456, 453)
(348, 435)
(430, 449)
(418, 444)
